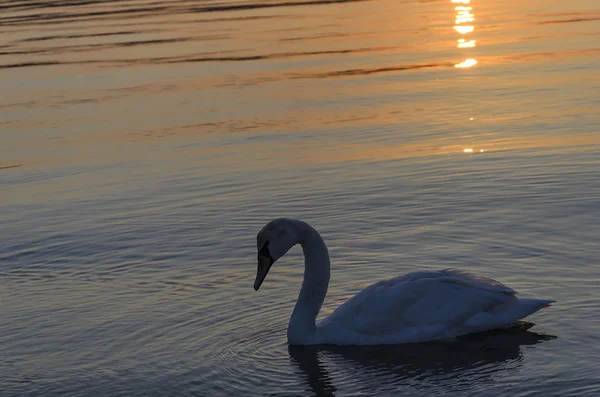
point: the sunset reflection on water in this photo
(464, 24)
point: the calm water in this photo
(144, 143)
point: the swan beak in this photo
(264, 265)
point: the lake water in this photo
(145, 143)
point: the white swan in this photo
(417, 307)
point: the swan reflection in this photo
(395, 366)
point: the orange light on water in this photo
(467, 63)
(464, 29)
(462, 43)
(463, 16)
(471, 150)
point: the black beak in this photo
(265, 261)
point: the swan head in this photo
(272, 242)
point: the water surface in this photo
(145, 143)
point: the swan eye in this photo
(264, 251)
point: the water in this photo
(145, 143)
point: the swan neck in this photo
(302, 327)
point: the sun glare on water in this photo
(463, 24)
(467, 63)
(471, 150)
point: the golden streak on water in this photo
(463, 19)
(464, 15)
(467, 63)
(471, 150)
(464, 29)
(462, 43)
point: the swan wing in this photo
(423, 306)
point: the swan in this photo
(417, 307)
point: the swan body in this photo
(417, 307)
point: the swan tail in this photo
(522, 326)
(522, 308)
(506, 315)
(530, 306)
